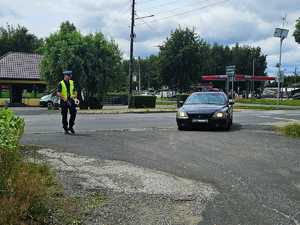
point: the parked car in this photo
(51, 100)
(295, 94)
(206, 109)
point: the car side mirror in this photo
(231, 102)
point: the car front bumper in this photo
(43, 103)
(210, 122)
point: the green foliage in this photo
(32, 95)
(182, 97)
(18, 39)
(140, 101)
(291, 130)
(297, 31)
(95, 61)
(269, 102)
(4, 94)
(184, 58)
(11, 130)
(292, 81)
(23, 186)
(180, 59)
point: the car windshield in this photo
(207, 98)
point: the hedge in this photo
(95, 103)
(11, 130)
(23, 185)
(4, 94)
(32, 94)
(141, 101)
(181, 98)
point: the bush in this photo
(32, 94)
(23, 186)
(181, 98)
(139, 101)
(4, 94)
(11, 130)
(83, 105)
(116, 98)
(95, 103)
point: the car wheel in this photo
(50, 105)
(228, 125)
(181, 126)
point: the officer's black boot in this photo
(66, 131)
(72, 130)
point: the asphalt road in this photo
(256, 171)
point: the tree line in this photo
(183, 58)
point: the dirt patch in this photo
(133, 195)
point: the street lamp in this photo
(282, 34)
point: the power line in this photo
(144, 22)
(147, 2)
(174, 9)
(189, 11)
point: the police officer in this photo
(67, 94)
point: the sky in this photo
(248, 22)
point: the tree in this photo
(179, 59)
(95, 61)
(62, 50)
(297, 31)
(18, 40)
(150, 76)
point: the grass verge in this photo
(173, 103)
(291, 130)
(29, 192)
(287, 102)
(257, 107)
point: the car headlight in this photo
(182, 115)
(219, 115)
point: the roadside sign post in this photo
(230, 72)
(282, 34)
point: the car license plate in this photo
(199, 121)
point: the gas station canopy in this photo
(238, 77)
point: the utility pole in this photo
(295, 74)
(132, 36)
(139, 61)
(253, 74)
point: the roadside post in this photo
(282, 34)
(230, 72)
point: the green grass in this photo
(291, 130)
(288, 102)
(256, 107)
(166, 103)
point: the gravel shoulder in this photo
(133, 195)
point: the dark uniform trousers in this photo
(65, 107)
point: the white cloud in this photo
(250, 22)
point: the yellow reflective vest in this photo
(64, 91)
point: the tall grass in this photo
(291, 130)
(23, 185)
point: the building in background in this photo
(20, 80)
